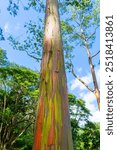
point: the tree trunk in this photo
(2, 146)
(96, 88)
(53, 131)
(97, 95)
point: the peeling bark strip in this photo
(53, 131)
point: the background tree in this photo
(3, 58)
(18, 96)
(91, 136)
(86, 134)
(80, 28)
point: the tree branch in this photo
(89, 88)
(95, 54)
(20, 134)
(38, 59)
(78, 23)
(92, 33)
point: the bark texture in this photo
(53, 131)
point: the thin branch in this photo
(92, 33)
(20, 134)
(80, 35)
(38, 59)
(77, 23)
(95, 54)
(89, 88)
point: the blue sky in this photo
(11, 25)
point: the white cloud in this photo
(87, 79)
(90, 100)
(6, 28)
(76, 84)
(88, 96)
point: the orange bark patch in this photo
(38, 136)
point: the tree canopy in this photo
(18, 98)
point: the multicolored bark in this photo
(53, 131)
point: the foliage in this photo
(1, 35)
(32, 45)
(80, 26)
(83, 17)
(78, 110)
(18, 98)
(13, 7)
(3, 58)
(25, 141)
(85, 134)
(91, 136)
(32, 42)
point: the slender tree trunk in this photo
(53, 131)
(96, 88)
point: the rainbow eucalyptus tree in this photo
(52, 131)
